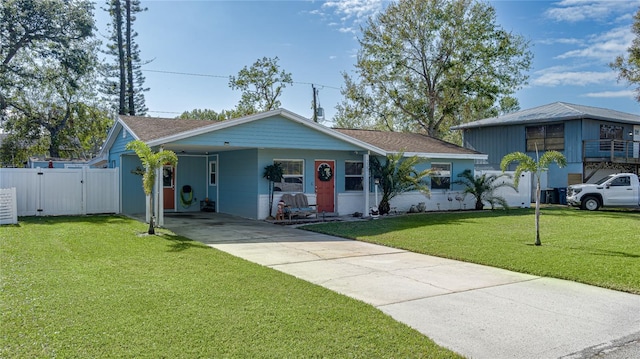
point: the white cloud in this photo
(563, 41)
(333, 57)
(351, 13)
(552, 78)
(611, 94)
(580, 10)
(603, 47)
(358, 10)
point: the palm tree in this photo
(273, 173)
(151, 161)
(483, 188)
(537, 166)
(398, 175)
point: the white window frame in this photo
(361, 176)
(285, 176)
(215, 173)
(438, 174)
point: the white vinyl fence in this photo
(68, 191)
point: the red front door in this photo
(168, 187)
(325, 186)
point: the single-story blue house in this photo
(224, 162)
(595, 141)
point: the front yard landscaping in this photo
(599, 248)
(93, 287)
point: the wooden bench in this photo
(298, 206)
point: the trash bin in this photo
(562, 195)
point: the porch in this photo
(614, 151)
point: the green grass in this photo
(599, 248)
(88, 287)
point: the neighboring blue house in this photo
(224, 162)
(595, 141)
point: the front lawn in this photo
(93, 287)
(600, 248)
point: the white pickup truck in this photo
(617, 190)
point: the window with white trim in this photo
(292, 176)
(441, 176)
(353, 172)
(213, 173)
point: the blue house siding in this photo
(119, 147)
(573, 143)
(238, 183)
(495, 142)
(275, 132)
(192, 171)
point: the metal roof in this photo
(554, 112)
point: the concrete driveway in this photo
(477, 311)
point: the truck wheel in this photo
(590, 203)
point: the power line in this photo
(226, 77)
(178, 113)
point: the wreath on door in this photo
(324, 172)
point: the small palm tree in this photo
(535, 166)
(273, 173)
(151, 161)
(398, 175)
(483, 188)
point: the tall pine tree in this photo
(123, 79)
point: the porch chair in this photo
(297, 206)
(303, 207)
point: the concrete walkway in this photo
(477, 311)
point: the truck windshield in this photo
(603, 180)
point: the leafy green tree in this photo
(152, 161)
(49, 63)
(33, 30)
(629, 68)
(536, 166)
(58, 102)
(261, 86)
(209, 115)
(124, 80)
(425, 65)
(398, 175)
(483, 188)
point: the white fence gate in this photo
(521, 198)
(68, 191)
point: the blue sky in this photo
(196, 45)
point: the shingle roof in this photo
(151, 128)
(405, 142)
(557, 111)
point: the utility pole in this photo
(315, 106)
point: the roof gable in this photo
(554, 112)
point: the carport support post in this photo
(159, 202)
(365, 183)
